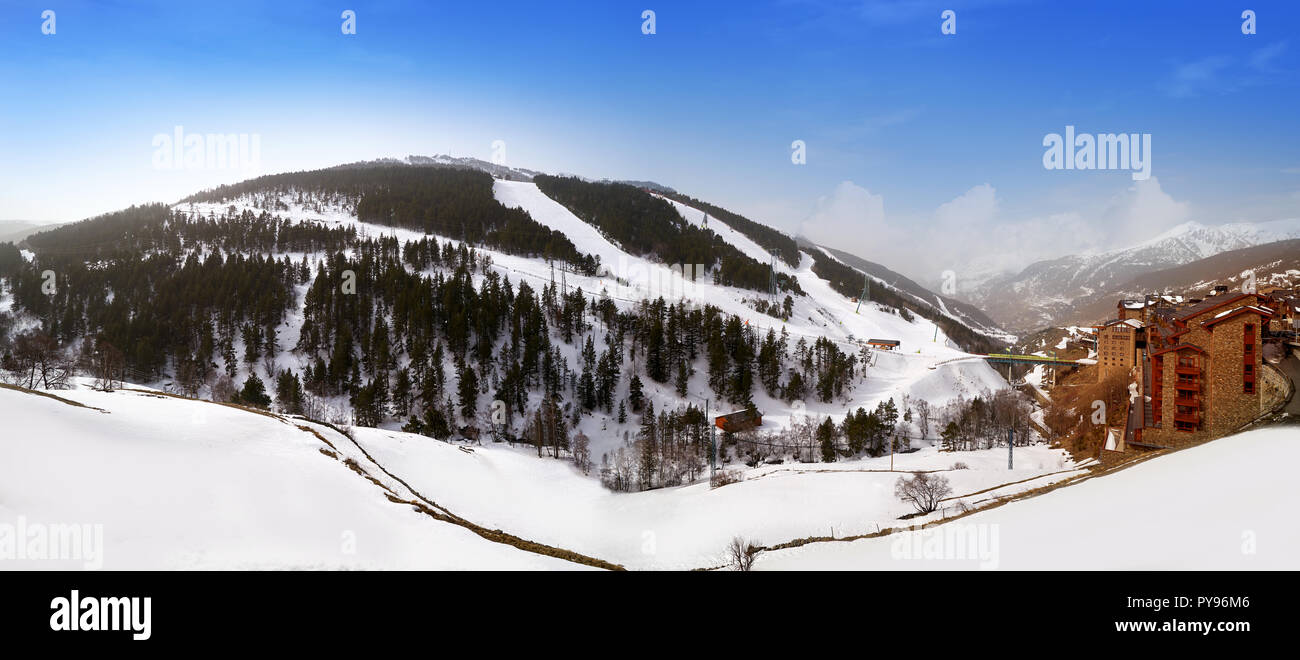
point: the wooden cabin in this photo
(741, 420)
(886, 344)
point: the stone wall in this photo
(1275, 387)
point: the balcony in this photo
(1187, 401)
(1190, 418)
(1188, 386)
(1187, 370)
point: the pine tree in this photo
(649, 445)
(467, 389)
(253, 393)
(634, 394)
(402, 393)
(826, 436)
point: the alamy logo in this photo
(655, 280)
(103, 614)
(196, 151)
(952, 542)
(1104, 151)
(34, 541)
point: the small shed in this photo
(887, 344)
(741, 420)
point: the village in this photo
(1196, 369)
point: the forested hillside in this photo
(770, 239)
(447, 201)
(850, 282)
(253, 308)
(646, 225)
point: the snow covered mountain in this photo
(497, 170)
(380, 467)
(1275, 264)
(1048, 292)
(957, 310)
(630, 273)
(401, 305)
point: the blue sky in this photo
(920, 146)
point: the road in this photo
(1291, 367)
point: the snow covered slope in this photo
(181, 484)
(1225, 505)
(688, 526)
(823, 312)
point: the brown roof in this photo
(1247, 309)
(1179, 347)
(1209, 304)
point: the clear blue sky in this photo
(934, 130)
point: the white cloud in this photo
(1201, 76)
(968, 234)
(849, 210)
(1141, 211)
(977, 206)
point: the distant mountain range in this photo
(1059, 290)
(1272, 263)
(14, 231)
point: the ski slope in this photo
(1224, 505)
(823, 312)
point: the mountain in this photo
(1051, 292)
(498, 171)
(447, 302)
(964, 313)
(1272, 263)
(15, 231)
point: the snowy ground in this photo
(180, 484)
(1225, 505)
(687, 527)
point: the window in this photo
(1248, 359)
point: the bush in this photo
(724, 477)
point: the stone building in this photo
(1117, 346)
(1204, 364)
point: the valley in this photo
(546, 408)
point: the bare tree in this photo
(923, 491)
(582, 452)
(189, 377)
(223, 389)
(923, 417)
(105, 363)
(39, 362)
(741, 554)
